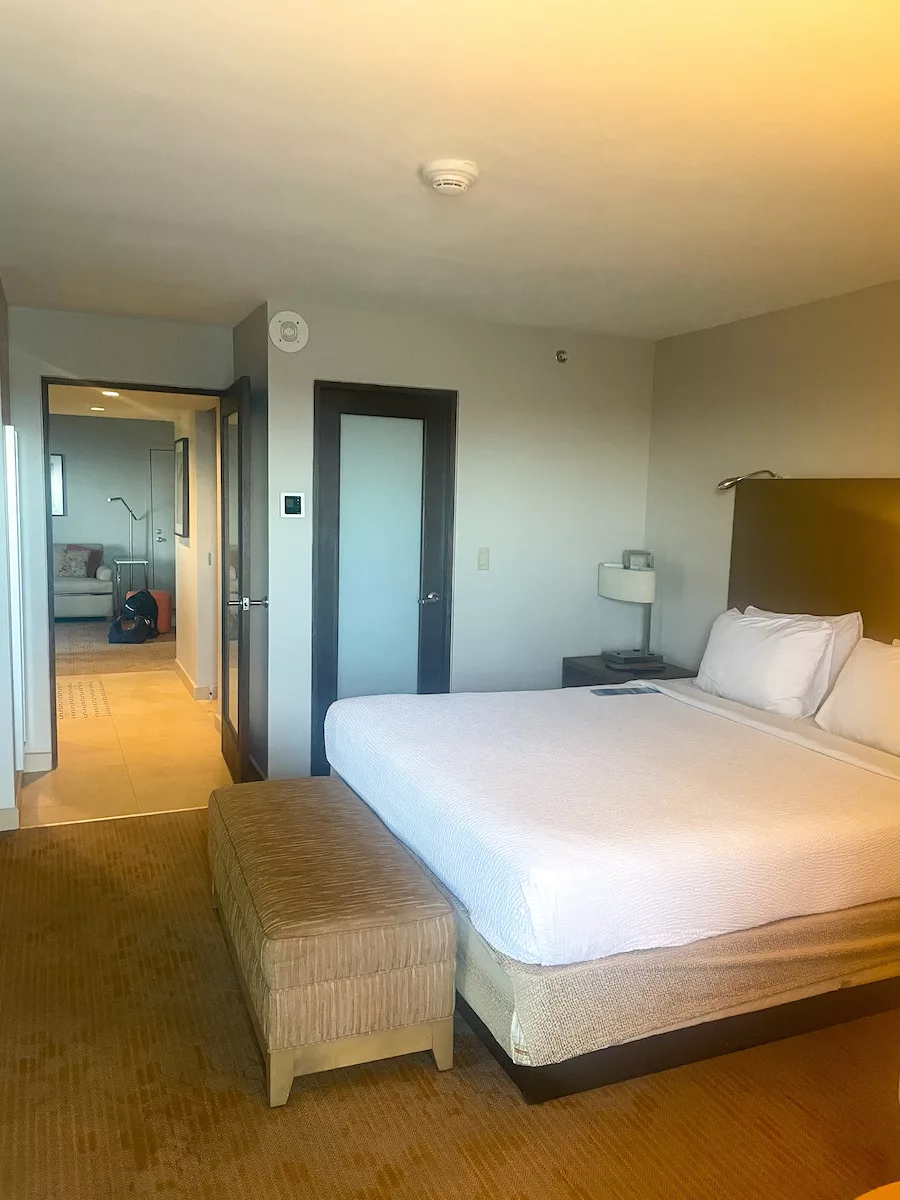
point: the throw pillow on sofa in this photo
(73, 563)
(94, 558)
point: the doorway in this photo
(382, 544)
(137, 726)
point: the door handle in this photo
(245, 603)
(431, 598)
(160, 539)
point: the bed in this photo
(641, 880)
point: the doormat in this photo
(84, 699)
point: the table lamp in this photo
(634, 581)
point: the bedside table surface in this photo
(592, 669)
(594, 662)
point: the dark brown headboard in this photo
(821, 546)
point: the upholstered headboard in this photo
(822, 546)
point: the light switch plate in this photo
(484, 559)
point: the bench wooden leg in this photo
(442, 1043)
(279, 1076)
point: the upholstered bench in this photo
(345, 949)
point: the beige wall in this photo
(551, 476)
(10, 740)
(808, 391)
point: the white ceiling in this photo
(647, 166)
(72, 400)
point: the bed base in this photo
(663, 1051)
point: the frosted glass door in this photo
(380, 555)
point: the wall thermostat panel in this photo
(293, 504)
(288, 331)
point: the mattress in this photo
(573, 826)
(542, 1015)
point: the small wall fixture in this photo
(725, 484)
(288, 331)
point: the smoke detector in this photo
(449, 176)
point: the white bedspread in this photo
(573, 826)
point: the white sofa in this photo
(82, 598)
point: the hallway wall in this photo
(197, 560)
(10, 744)
(107, 458)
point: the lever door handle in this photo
(431, 598)
(160, 539)
(245, 603)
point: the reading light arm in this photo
(725, 485)
(121, 499)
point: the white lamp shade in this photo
(615, 582)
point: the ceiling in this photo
(647, 167)
(73, 400)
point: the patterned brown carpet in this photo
(128, 1069)
(82, 648)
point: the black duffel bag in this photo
(142, 604)
(129, 630)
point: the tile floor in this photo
(157, 750)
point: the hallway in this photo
(129, 744)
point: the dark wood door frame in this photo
(48, 381)
(235, 739)
(437, 408)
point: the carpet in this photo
(128, 1069)
(82, 648)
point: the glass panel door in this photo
(234, 437)
(380, 555)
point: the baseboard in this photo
(9, 819)
(196, 691)
(35, 761)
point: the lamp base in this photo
(624, 660)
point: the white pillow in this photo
(766, 662)
(865, 702)
(848, 629)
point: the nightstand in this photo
(593, 671)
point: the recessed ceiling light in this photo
(109, 393)
(96, 408)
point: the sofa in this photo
(77, 595)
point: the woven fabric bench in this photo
(345, 949)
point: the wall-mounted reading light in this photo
(725, 484)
